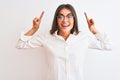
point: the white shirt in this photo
(65, 57)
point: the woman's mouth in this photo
(65, 25)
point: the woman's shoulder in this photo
(45, 35)
(82, 34)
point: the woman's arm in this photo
(27, 40)
(102, 41)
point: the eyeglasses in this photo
(62, 17)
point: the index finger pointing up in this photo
(41, 15)
(86, 16)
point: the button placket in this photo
(67, 65)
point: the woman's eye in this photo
(60, 16)
(70, 16)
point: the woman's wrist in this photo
(31, 32)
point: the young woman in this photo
(65, 43)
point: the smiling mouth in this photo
(65, 25)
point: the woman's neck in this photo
(65, 35)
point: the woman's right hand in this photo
(36, 24)
(37, 21)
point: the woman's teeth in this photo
(65, 25)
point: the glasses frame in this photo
(62, 17)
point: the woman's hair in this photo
(55, 24)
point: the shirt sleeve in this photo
(29, 41)
(101, 42)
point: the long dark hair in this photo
(54, 23)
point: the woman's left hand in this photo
(91, 24)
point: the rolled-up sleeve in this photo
(101, 42)
(29, 41)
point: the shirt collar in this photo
(60, 37)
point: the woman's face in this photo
(65, 20)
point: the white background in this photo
(17, 16)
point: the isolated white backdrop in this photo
(17, 16)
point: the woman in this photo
(65, 44)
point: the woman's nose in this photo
(65, 19)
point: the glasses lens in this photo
(69, 16)
(60, 16)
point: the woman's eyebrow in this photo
(66, 15)
(69, 14)
(60, 14)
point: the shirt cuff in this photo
(100, 36)
(23, 37)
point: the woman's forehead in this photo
(65, 11)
